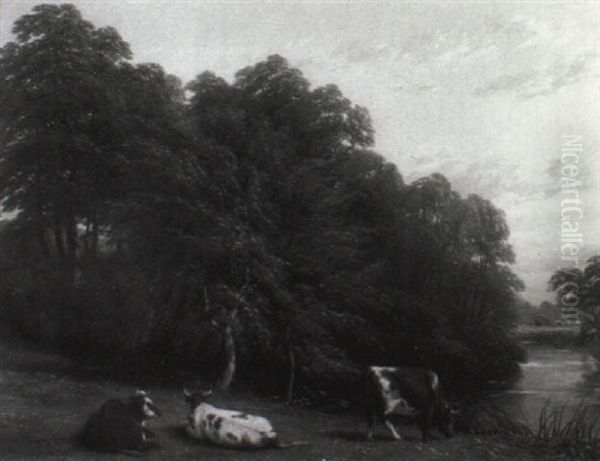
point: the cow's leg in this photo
(370, 425)
(427, 422)
(392, 429)
(426, 432)
(149, 435)
(150, 439)
(371, 419)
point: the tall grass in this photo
(487, 418)
(577, 433)
(558, 430)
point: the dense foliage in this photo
(580, 289)
(166, 221)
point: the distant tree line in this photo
(579, 289)
(244, 230)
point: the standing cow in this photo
(411, 392)
(119, 426)
(229, 428)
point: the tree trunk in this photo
(71, 237)
(229, 370)
(95, 240)
(58, 240)
(89, 241)
(41, 237)
(292, 377)
(228, 339)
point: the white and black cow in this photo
(118, 426)
(229, 428)
(408, 392)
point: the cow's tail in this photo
(82, 437)
(279, 444)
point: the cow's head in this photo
(195, 398)
(445, 419)
(143, 405)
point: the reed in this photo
(575, 433)
(558, 430)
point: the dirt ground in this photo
(44, 400)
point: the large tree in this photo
(335, 242)
(252, 226)
(83, 130)
(59, 113)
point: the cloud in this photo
(530, 83)
(567, 73)
(584, 174)
(508, 82)
(358, 51)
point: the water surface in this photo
(558, 376)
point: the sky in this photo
(486, 93)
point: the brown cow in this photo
(410, 392)
(119, 426)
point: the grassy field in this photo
(45, 399)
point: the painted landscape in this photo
(310, 221)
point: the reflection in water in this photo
(561, 376)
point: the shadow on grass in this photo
(20, 356)
(356, 436)
(177, 432)
(22, 445)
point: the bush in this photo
(482, 354)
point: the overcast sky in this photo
(480, 92)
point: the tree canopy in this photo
(247, 222)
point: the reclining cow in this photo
(409, 392)
(119, 426)
(228, 428)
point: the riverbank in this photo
(556, 336)
(555, 402)
(44, 400)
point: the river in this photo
(558, 376)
